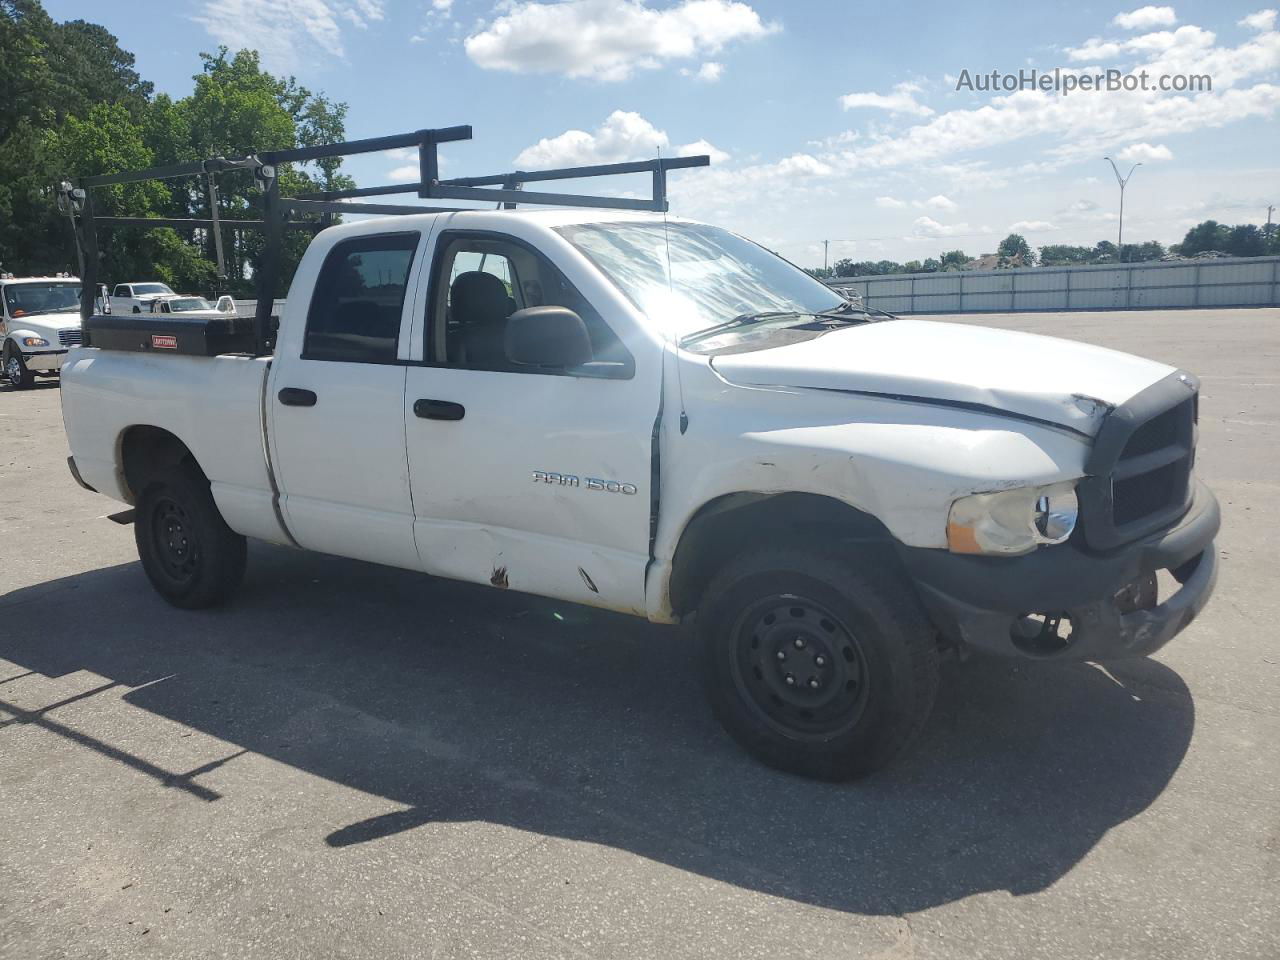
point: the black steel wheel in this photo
(800, 667)
(817, 663)
(190, 555)
(177, 544)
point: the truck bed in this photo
(213, 403)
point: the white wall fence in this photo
(245, 308)
(1225, 282)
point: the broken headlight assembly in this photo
(1011, 522)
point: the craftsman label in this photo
(164, 341)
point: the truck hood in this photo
(47, 325)
(1021, 375)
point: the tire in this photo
(860, 653)
(16, 372)
(190, 555)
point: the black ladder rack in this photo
(505, 189)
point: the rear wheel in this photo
(190, 555)
(16, 372)
(814, 665)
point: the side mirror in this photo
(554, 338)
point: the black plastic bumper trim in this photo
(974, 600)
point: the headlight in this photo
(34, 342)
(1013, 521)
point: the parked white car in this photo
(137, 297)
(40, 322)
(664, 419)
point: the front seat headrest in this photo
(476, 297)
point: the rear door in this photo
(534, 480)
(337, 403)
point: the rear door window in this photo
(359, 298)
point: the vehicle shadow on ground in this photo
(464, 703)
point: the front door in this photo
(337, 405)
(524, 478)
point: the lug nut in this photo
(791, 681)
(781, 655)
(813, 683)
(799, 643)
(820, 661)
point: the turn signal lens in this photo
(34, 342)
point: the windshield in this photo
(29, 299)
(186, 304)
(715, 275)
(139, 289)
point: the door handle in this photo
(438, 410)
(297, 397)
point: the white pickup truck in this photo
(137, 297)
(665, 419)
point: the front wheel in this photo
(190, 555)
(16, 372)
(814, 665)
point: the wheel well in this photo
(724, 527)
(145, 450)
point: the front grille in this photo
(70, 338)
(1140, 470)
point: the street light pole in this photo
(1123, 181)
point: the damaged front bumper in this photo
(1064, 602)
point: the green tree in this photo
(954, 260)
(1208, 235)
(1063, 254)
(1245, 240)
(1014, 249)
(73, 104)
(1104, 251)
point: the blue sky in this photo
(826, 119)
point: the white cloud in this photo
(1261, 21)
(608, 39)
(624, 135)
(710, 71)
(803, 165)
(969, 149)
(901, 100)
(717, 155)
(1187, 39)
(1146, 17)
(939, 202)
(1031, 226)
(1086, 124)
(285, 32)
(1095, 49)
(1144, 153)
(929, 227)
